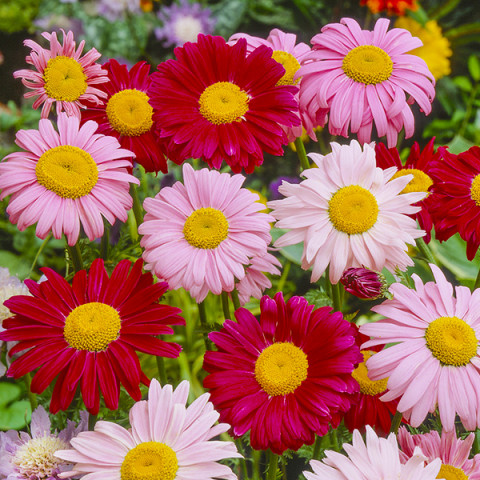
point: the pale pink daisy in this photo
(349, 213)
(167, 440)
(435, 362)
(65, 179)
(62, 76)
(201, 235)
(361, 77)
(289, 54)
(452, 451)
(377, 458)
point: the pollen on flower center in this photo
(451, 340)
(64, 79)
(290, 64)
(360, 374)
(36, 459)
(419, 183)
(223, 102)
(353, 209)
(68, 171)
(206, 228)
(367, 64)
(448, 472)
(475, 190)
(149, 461)
(92, 326)
(129, 113)
(281, 368)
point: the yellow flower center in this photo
(92, 326)
(223, 102)
(451, 340)
(149, 461)
(419, 183)
(281, 368)
(129, 113)
(68, 171)
(206, 228)
(64, 79)
(353, 209)
(368, 64)
(290, 64)
(451, 473)
(367, 386)
(475, 190)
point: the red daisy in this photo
(216, 103)
(286, 377)
(87, 333)
(127, 114)
(456, 203)
(418, 164)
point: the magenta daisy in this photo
(201, 235)
(63, 76)
(435, 362)
(349, 213)
(127, 114)
(361, 78)
(65, 179)
(377, 458)
(167, 441)
(452, 451)
(286, 377)
(217, 103)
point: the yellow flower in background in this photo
(436, 49)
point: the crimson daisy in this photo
(456, 203)
(286, 377)
(87, 333)
(216, 103)
(127, 114)
(418, 164)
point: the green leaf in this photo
(463, 83)
(466, 29)
(13, 414)
(229, 15)
(474, 67)
(443, 9)
(15, 264)
(293, 252)
(459, 144)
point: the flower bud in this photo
(364, 283)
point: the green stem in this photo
(283, 278)
(225, 306)
(243, 463)
(162, 373)
(256, 456)
(425, 250)
(337, 296)
(31, 396)
(302, 154)
(132, 226)
(105, 243)
(235, 300)
(92, 420)
(203, 321)
(476, 443)
(76, 257)
(477, 281)
(317, 446)
(396, 421)
(468, 113)
(272, 466)
(40, 250)
(334, 438)
(137, 207)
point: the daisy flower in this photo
(375, 458)
(452, 451)
(435, 362)
(87, 333)
(286, 377)
(127, 115)
(26, 456)
(183, 22)
(201, 235)
(65, 179)
(289, 54)
(419, 163)
(392, 7)
(167, 440)
(217, 103)
(63, 76)
(348, 213)
(361, 77)
(455, 207)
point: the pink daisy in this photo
(289, 54)
(361, 77)
(63, 76)
(65, 179)
(452, 451)
(201, 235)
(435, 362)
(167, 440)
(377, 458)
(349, 213)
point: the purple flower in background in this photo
(274, 184)
(25, 457)
(114, 10)
(183, 22)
